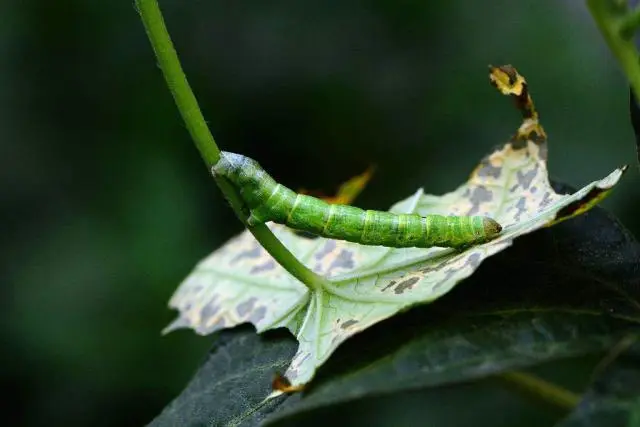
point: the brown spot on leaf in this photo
(478, 196)
(488, 170)
(266, 266)
(209, 310)
(245, 307)
(427, 270)
(594, 194)
(258, 315)
(533, 134)
(282, 383)
(525, 179)
(343, 260)
(438, 267)
(518, 143)
(446, 278)
(251, 253)
(521, 206)
(546, 200)
(406, 284)
(328, 247)
(390, 285)
(473, 260)
(349, 323)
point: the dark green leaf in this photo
(614, 398)
(565, 291)
(230, 386)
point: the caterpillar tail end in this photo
(491, 227)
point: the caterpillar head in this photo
(229, 165)
(491, 228)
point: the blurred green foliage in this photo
(107, 205)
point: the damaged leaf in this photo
(348, 191)
(563, 292)
(241, 283)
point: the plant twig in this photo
(541, 390)
(630, 23)
(177, 81)
(191, 114)
(620, 347)
(617, 24)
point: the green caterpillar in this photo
(269, 201)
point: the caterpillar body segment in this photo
(269, 201)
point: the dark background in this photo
(107, 205)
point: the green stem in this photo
(541, 389)
(617, 24)
(630, 23)
(177, 81)
(191, 114)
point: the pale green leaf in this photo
(241, 283)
